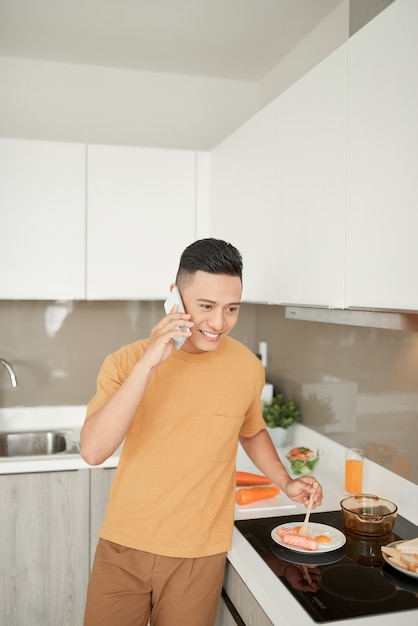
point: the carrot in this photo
(252, 494)
(247, 478)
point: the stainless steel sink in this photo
(35, 443)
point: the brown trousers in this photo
(129, 587)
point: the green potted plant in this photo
(279, 415)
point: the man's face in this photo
(213, 301)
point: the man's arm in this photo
(263, 454)
(105, 429)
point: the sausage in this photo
(291, 537)
(297, 541)
(284, 530)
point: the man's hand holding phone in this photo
(163, 336)
(175, 299)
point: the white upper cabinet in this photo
(244, 202)
(277, 192)
(382, 161)
(141, 205)
(42, 220)
(310, 236)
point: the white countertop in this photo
(280, 606)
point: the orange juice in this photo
(353, 475)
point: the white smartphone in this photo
(175, 298)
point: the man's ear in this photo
(172, 286)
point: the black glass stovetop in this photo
(353, 581)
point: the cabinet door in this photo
(100, 483)
(140, 216)
(244, 602)
(244, 202)
(310, 247)
(42, 220)
(382, 161)
(44, 548)
(225, 617)
(277, 192)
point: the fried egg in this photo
(326, 541)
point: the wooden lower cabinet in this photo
(238, 607)
(224, 616)
(100, 483)
(44, 548)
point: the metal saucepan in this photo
(367, 514)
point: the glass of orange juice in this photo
(354, 458)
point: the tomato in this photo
(301, 453)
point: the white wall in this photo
(56, 101)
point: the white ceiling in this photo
(234, 39)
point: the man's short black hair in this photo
(210, 255)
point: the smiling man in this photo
(180, 413)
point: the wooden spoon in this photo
(304, 530)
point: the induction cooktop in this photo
(352, 581)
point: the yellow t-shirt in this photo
(173, 492)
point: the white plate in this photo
(400, 569)
(338, 538)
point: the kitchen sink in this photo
(35, 443)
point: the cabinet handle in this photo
(232, 610)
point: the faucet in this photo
(11, 371)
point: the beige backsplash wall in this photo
(379, 360)
(358, 385)
(56, 348)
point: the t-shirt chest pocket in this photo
(222, 436)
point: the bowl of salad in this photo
(302, 460)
